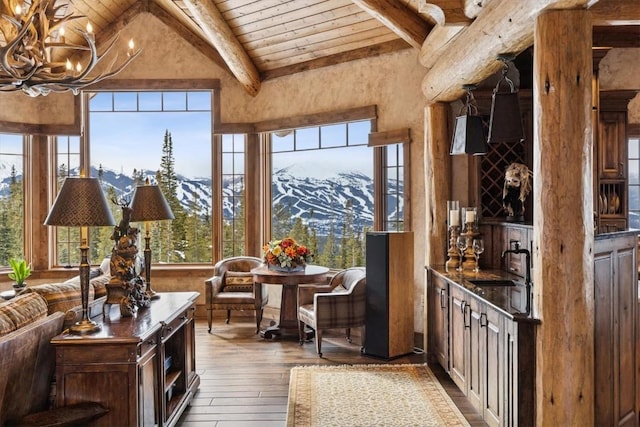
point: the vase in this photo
(285, 269)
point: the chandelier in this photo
(35, 57)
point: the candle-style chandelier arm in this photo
(27, 57)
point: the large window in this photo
(322, 190)
(163, 137)
(11, 197)
(233, 191)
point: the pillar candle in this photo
(471, 216)
(454, 217)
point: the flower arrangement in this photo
(286, 254)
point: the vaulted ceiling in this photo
(257, 40)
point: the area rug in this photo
(369, 395)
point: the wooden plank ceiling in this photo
(258, 40)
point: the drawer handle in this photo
(442, 303)
(183, 317)
(169, 328)
(151, 342)
(483, 316)
(464, 316)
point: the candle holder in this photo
(454, 255)
(469, 256)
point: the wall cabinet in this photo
(141, 368)
(616, 319)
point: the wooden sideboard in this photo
(141, 368)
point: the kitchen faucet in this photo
(518, 251)
(527, 275)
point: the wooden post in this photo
(563, 218)
(437, 177)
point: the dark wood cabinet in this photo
(616, 333)
(612, 145)
(491, 354)
(141, 368)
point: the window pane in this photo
(634, 150)
(199, 101)
(174, 101)
(323, 198)
(11, 198)
(101, 102)
(359, 132)
(150, 101)
(634, 171)
(307, 139)
(125, 101)
(171, 149)
(233, 202)
(334, 135)
(282, 141)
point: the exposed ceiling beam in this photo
(504, 26)
(338, 58)
(398, 18)
(616, 12)
(188, 35)
(213, 24)
(616, 36)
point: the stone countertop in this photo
(499, 297)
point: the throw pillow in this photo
(23, 309)
(238, 281)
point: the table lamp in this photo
(81, 203)
(149, 204)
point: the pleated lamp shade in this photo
(149, 204)
(80, 203)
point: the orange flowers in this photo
(286, 253)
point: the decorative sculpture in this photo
(517, 186)
(126, 287)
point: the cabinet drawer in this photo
(169, 328)
(515, 263)
(147, 346)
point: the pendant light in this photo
(505, 123)
(468, 134)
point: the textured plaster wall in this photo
(392, 82)
(619, 71)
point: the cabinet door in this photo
(491, 323)
(148, 411)
(612, 154)
(438, 320)
(458, 343)
(477, 348)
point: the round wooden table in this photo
(289, 301)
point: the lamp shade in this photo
(468, 136)
(149, 204)
(80, 203)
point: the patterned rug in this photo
(369, 395)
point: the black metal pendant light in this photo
(505, 123)
(468, 133)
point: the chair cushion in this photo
(238, 281)
(21, 311)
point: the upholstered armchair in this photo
(340, 304)
(232, 288)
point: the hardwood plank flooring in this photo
(245, 379)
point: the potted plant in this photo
(20, 273)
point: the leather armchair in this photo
(232, 288)
(340, 304)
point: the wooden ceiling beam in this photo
(503, 27)
(398, 18)
(616, 12)
(616, 36)
(216, 29)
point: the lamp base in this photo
(84, 327)
(152, 294)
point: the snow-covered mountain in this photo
(326, 198)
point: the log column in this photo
(437, 180)
(563, 218)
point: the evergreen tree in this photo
(175, 241)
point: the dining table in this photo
(289, 280)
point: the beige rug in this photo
(369, 395)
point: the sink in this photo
(492, 282)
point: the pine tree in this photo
(175, 241)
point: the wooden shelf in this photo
(171, 379)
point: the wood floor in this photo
(245, 379)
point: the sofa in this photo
(28, 322)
